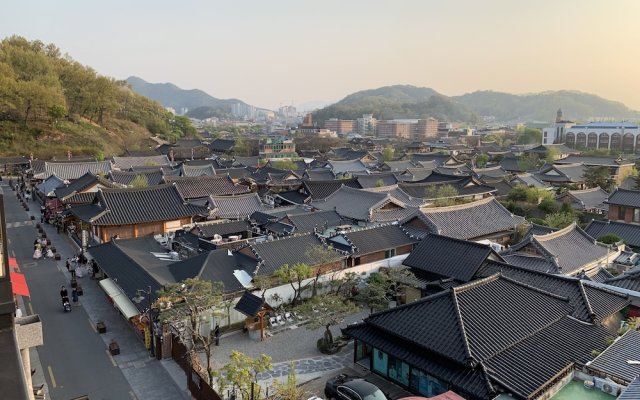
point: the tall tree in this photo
(294, 275)
(326, 311)
(242, 373)
(598, 176)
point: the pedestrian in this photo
(94, 269)
(216, 334)
(72, 270)
(74, 295)
(63, 292)
(68, 264)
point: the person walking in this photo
(68, 264)
(63, 292)
(72, 269)
(216, 334)
(74, 295)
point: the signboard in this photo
(85, 239)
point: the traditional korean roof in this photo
(249, 304)
(565, 173)
(85, 181)
(319, 174)
(376, 180)
(293, 197)
(530, 180)
(399, 165)
(629, 280)
(587, 199)
(309, 221)
(234, 173)
(246, 161)
(197, 170)
(613, 360)
(371, 240)
(465, 186)
(214, 266)
(362, 205)
(272, 254)
(222, 145)
(323, 189)
(400, 195)
(625, 198)
(570, 249)
(133, 206)
(592, 161)
(493, 172)
(438, 177)
(49, 185)
(235, 207)
(449, 257)
(351, 166)
(463, 330)
(124, 163)
(194, 187)
(632, 392)
(532, 262)
(590, 303)
(511, 164)
(438, 158)
(72, 170)
(630, 233)
(208, 230)
(472, 220)
(126, 177)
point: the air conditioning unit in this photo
(608, 386)
(233, 238)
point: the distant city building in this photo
(623, 136)
(417, 129)
(308, 120)
(366, 125)
(277, 148)
(340, 126)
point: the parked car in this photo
(344, 387)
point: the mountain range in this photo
(406, 101)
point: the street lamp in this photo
(138, 299)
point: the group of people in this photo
(42, 248)
(79, 265)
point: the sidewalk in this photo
(149, 378)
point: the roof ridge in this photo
(469, 359)
(587, 303)
(556, 234)
(461, 206)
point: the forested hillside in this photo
(50, 103)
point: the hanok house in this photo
(482, 219)
(68, 170)
(490, 336)
(126, 163)
(624, 206)
(588, 200)
(363, 206)
(568, 251)
(270, 255)
(565, 174)
(132, 213)
(618, 167)
(629, 233)
(125, 178)
(237, 207)
(82, 190)
(373, 244)
(198, 187)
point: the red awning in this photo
(19, 284)
(13, 263)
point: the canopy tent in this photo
(19, 284)
(120, 299)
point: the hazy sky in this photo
(269, 53)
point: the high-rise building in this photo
(394, 128)
(340, 126)
(425, 129)
(366, 125)
(308, 120)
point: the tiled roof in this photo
(625, 197)
(439, 159)
(127, 177)
(124, 163)
(361, 205)
(376, 180)
(414, 174)
(632, 392)
(628, 280)
(464, 187)
(532, 262)
(569, 173)
(570, 249)
(194, 187)
(535, 229)
(589, 303)
(132, 206)
(208, 230)
(367, 241)
(213, 266)
(233, 173)
(494, 172)
(630, 233)
(467, 326)
(320, 174)
(399, 165)
(321, 189)
(274, 253)
(235, 207)
(80, 184)
(249, 304)
(293, 197)
(448, 257)
(340, 167)
(613, 360)
(588, 199)
(594, 161)
(472, 220)
(438, 177)
(246, 161)
(222, 145)
(529, 180)
(400, 195)
(73, 170)
(80, 198)
(197, 170)
(511, 164)
(48, 186)
(321, 219)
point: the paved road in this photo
(73, 357)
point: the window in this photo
(426, 384)
(636, 215)
(621, 212)
(390, 253)
(380, 362)
(398, 371)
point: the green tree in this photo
(140, 181)
(284, 164)
(294, 275)
(528, 162)
(482, 160)
(241, 373)
(552, 155)
(442, 195)
(288, 390)
(388, 153)
(322, 256)
(609, 238)
(598, 176)
(374, 295)
(559, 220)
(325, 311)
(191, 299)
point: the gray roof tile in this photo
(73, 170)
(194, 187)
(126, 177)
(124, 163)
(625, 197)
(235, 207)
(614, 359)
(372, 240)
(630, 233)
